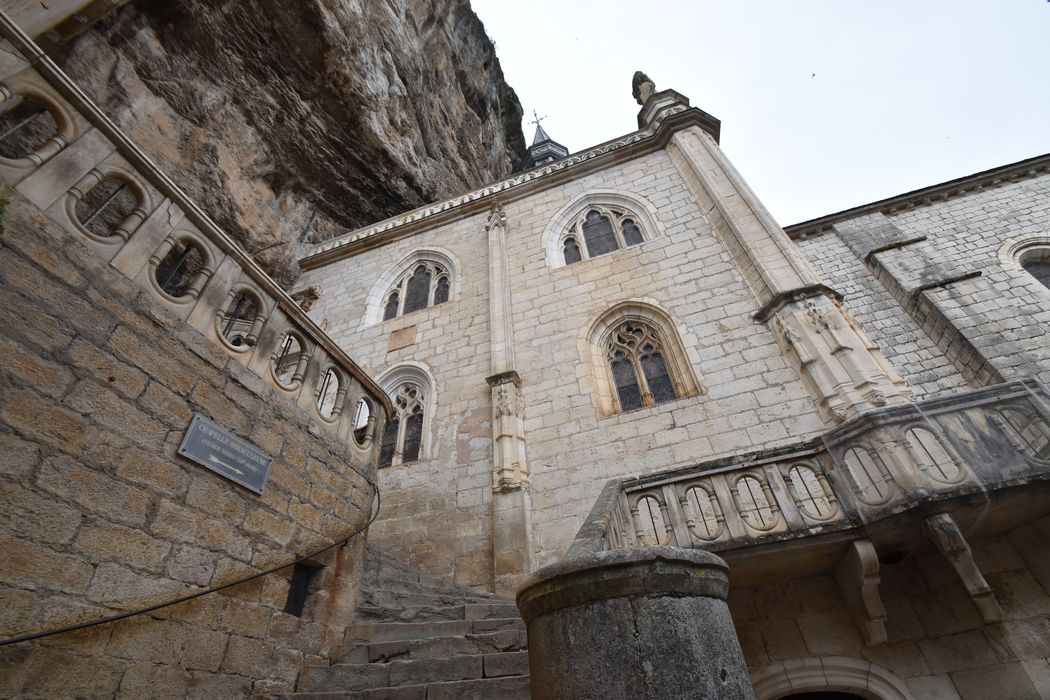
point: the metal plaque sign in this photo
(224, 453)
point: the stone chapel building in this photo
(615, 355)
(856, 398)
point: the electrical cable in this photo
(141, 611)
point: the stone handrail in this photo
(879, 464)
(88, 147)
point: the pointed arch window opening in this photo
(602, 230)
(423, 285)
(639, 370)
(403, 437)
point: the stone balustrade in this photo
(66, 157)
(888, 461)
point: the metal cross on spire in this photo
(537, 118)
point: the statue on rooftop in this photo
(642, 87)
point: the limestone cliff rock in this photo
(293, 121)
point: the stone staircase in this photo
(416, 638)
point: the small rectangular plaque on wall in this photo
(224, 453)
(402, 338)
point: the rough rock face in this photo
(300, 120)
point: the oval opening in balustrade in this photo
(106, 206)
(286, 360)
(327, 393)
(1029, 433)
(871, 476)
(237, 320)
(178, 270)
(25, 126)
(810, 493)
(363, 411)
(931, 457)
(650, 528)
(755, 505)
(701, 508)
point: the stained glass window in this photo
(571, 250)
(417, 292)
(403, 438)
(425, 284)
(386, 449)
(441, 291)
(639, 371)
(391, 306)
(603, 230)
(632, 235)
(598, 233)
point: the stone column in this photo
(511, 504)
(648, 622)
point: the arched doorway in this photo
(828, 678)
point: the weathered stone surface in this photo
(648, 622)
(306, 119)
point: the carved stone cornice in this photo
(784, 298)
(1011, 172)
(510, 189)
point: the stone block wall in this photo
(985, 328)
(938, 646)
(438, 511)
(100, 516)
(102, 375)
(905, 344)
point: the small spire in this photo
(540, 136)
(544, 149)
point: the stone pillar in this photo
(841, 367)
(511, 504)
(648, 622)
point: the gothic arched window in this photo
(603, 230)
(639, 371)
(403, 437)
(424, 284)
(637, 357)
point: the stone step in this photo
(382, 598)
(366, 632)
(427, 613)
(353, 677)
(438, 648)
(405, 584)
(508, 688)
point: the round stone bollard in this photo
(650, 622)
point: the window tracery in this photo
(403, 437)
(423, 285)
(602, 230)
(639, 372)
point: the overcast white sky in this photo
(825, 104)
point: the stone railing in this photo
(63, 154)
(881, 464)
